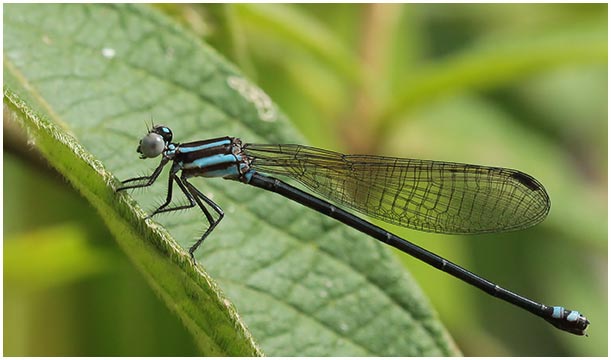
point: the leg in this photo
(197, 195)
(149, 179)
(161, 209)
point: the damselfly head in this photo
(155, 142)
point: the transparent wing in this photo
(425, 195)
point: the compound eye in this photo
(152, 145)
(164, 131)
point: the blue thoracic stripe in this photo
(212, 160)
(205, 146)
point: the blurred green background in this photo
(489, 84)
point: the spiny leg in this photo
(160, 209)
(197, 195)
(149, 179)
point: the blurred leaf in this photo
(497, 61)
(297, 29)
(51, 257)
(82, 79)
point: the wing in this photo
(434, 196)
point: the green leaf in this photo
(83, 79)
(51, 257)
(284, 22)
(498, 61)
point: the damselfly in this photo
(426, 195)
